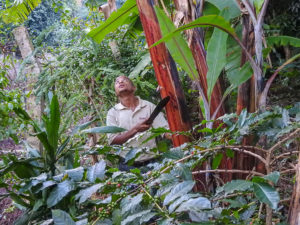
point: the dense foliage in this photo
(60, 185)
(101, 194)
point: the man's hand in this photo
(142, 126)
(122, 138)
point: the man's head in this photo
(123, 85)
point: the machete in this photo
(158, 109)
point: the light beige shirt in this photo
(122, 116)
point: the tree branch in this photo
(284, 140)
(228, 171)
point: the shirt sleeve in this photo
(111, 120)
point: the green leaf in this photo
(18, 199)
(145, 60)
(240, 75)
(104, 130)
(18, 13)
(59, 192)
(267, 194)
(177, 46)
(178, 201)
(283, 41)
(116, 19)
(129, 204)
(258, 4)
(135, 217)
(273, 177)
(75, 174)
(84, 194)
(179, 190)
(174, 154)
(132, 154)
(60, 217)
(229, 153)
(217, 160)
(24, 169)
(117, 217)
(237, 185)
(231, 5)
(96, 171)
(194, 204)
(203, 21)
(216, 56)
(82, 126)
(52, 126)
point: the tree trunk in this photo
(166, 73)
(187, 13)
(186, 10)
(294, 211)
(245, 98)
(107, 9)
(26, 48)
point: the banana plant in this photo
(18, 11)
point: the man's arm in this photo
(122, 138)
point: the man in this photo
(132, 113)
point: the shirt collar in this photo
(141, 104)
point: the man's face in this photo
(123, 85)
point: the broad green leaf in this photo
(129, 204)
(104, 222)
(82, 126)
(216, 56)
(231, 5)
(75, 174)
(135, 217)
(24, 170)
(283, 41)
(96, 171)
(174, 154)
(178, 201)
(180, 189)
(258, 4)
(38, 204)
(146, 217)
(132, 154)
(217, 160)
(104, 130)
(52, 126)
(145, 60)
(117, 217)
(237, 185)
(203, 21)
(116, 19)
(84, 194)
(184, 171)
(274, 177)
(194, 204)
(267, 194)
(240, 75)
(229, 153)
(177, 46)
(19, 11)
(60, 217)
(210, 9)
(59, 192)
(18, 199)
